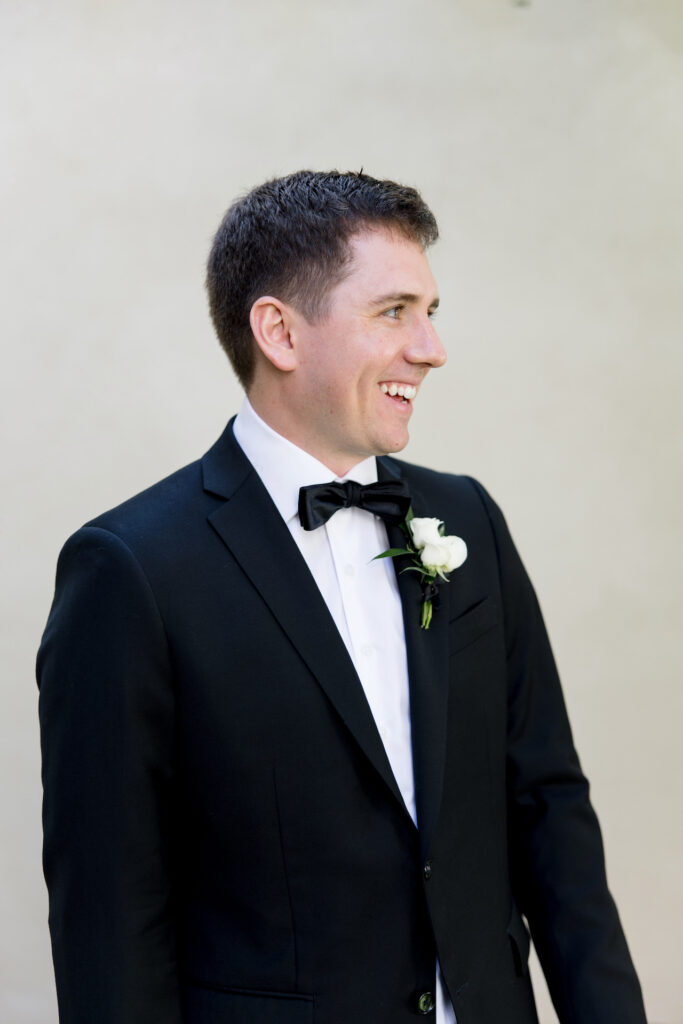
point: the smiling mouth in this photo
(403, 393)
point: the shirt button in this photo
(349, 570)
(366, 650)
(425, 1003)
(428, 870)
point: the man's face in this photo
(377, 341)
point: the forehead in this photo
(386, 262)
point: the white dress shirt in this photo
(361, 594)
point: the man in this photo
(271, 795)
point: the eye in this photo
(394, 312)
(432, 313)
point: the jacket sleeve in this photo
(106, 718)
(556, 851)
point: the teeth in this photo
(407, 391)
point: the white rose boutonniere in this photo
(434, 555)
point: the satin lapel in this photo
(251, 527)
(427, 652)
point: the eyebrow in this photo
(407, 297)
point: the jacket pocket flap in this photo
(468, 627)
(240, 1006)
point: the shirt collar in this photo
(284, 467)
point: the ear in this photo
(271, 322)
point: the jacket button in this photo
(428, 870)
(425, 1003)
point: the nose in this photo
(425, 345)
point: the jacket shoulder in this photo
(167, 506)
(175, 506)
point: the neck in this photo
(283, 423)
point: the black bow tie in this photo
(389, 500)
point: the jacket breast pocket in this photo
(204, 1005)
(466, 628)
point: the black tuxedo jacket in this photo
(224, 839)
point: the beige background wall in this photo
(547, 137)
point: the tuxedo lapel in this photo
(427, 651)
(252, 528)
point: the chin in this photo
(394, 445)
